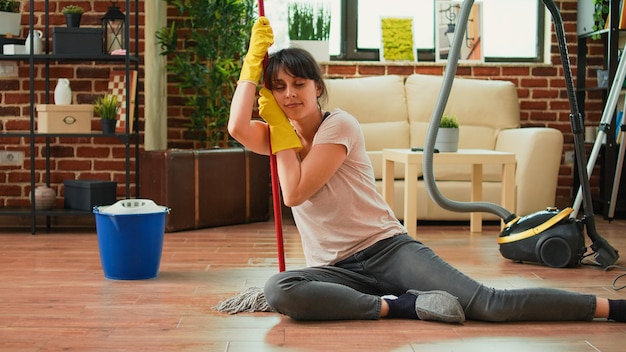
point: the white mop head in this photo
(250, 300)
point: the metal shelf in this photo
(68, 57)
(16, 211)
(47, 60)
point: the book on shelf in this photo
(622, 17)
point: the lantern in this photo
(113, 25)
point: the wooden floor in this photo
(54, 297)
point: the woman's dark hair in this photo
(297, 62)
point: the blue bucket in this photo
(130, 238)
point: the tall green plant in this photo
(600, 14)
(9, 6)
(307, 22)
(204, 58)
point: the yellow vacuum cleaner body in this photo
(547, 237)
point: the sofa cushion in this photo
(479, 123)
(379, 104)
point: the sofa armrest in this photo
(538, 153)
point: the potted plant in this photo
(215, 184)
(309, 28)
(204, 52)
(107, 107)
(448, 134)
(72, 13)
(10, 17)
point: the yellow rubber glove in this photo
(261, 39)
(282, 134)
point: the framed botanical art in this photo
(446, 16)
(397, 39)
(117, 87)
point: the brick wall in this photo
(543, 102)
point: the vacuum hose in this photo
(442, 99)
(605, 254)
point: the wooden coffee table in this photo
(476, 157)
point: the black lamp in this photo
(450, 32)
(113, 25)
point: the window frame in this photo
(350, 51)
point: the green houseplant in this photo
(448, 121)
(204, 52)
(107, 106)
(307, 22)
(448, 134)
(10, 17)
(601, 11)
(600, 14)
(309, 28)
(73, 14)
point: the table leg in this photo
(388, 191)
(476, 218)
(508, 188)
(410, 198)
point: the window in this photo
(513, 30)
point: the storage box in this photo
(8, 41)
(222, 187)
(13, 49)
(77, 41)
(86, 194)
(74, 118)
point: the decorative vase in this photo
(72, 20)
(447, 140)
(36, 37)
(63, 92)
(44, 197)
(108, 125)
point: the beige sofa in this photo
(394, 112)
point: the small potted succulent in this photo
(10, 17)
(448, 134)
(73, 14)
(107, 107)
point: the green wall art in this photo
(397, 39)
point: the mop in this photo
(253, 299)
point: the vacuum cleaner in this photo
(550, 237)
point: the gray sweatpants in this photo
(351, 289)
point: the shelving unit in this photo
(47, 59)
(608, 158)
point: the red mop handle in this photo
(278, 218)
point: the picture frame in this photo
(117, 87)
(446, 15)
(397, 39)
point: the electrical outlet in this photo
(8, 157)
(569, 157)
(8, 69)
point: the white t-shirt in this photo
(347, 214)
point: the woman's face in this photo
(296, 96)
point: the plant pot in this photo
(10, 23)
(447, 140)
(108, 126)
(318, 48)
(72, 20)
